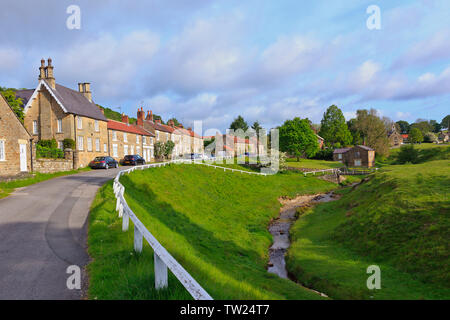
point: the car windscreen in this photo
(129, 158)
(99, 159)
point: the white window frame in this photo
(80, 143)
(340, 156)
(59, 126)
(2, 150)
(105, 148)
(137, 139)
(125, 150)
(357, 162)
(144, 140)
(96, 126)
(80, 123)
(138, 150)
(114, 135)
(97, 144)
(132, 150)
(35, 127)
(115, 150)
(125, 137)
(89, 144)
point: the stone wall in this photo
(52, 165)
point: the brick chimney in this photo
(125, 119)
(42, 70)
(85, 89)
(49, 74)
(180, 126)
(158, 121)
(189, 129)
(171, 123)
(140, 117)
(149, 116)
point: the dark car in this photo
(192, 156)
(132, 160)
(103, 163)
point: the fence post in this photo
(125, 221)
(160, 273)
(120, 210)
(137, 240)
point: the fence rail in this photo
(162, 258)
(343, 171)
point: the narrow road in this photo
(42, 232)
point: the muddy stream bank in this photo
(279, 228)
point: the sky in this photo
(208, 60)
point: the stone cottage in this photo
(358, 156)
(53, 111)
(15, 143)
(394, 137)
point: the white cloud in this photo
(9, 59)
(109, 63)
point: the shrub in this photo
(69, 144)
(430, 137)
(51, 144)
(325, 154)
(408, 154)
(48, 153)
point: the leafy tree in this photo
(436, 126)
(207, 142)
(15, 103)
(430, 137)
(373, 131)
(239, 123)
(256, 126)
(333, 127)
(404, 126)
(445, 123)
(168, 148)
(423, 125)
(415, 135)
(408, 154)
(298, 139)
(159, 150)
(356, 134)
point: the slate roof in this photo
(366, 148)
(73, 101)
(131, 128)
(25, 95)
(342, 150)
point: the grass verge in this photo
(213, 222)
(399, 220)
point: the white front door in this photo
(23, 158)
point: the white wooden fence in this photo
(162, 258)
(320, 171)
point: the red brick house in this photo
(358, 156)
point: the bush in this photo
(69, 144)
(325, 154)
(430, 137)
(48, 153)
(408, 154)
(51, 144)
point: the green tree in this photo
(175, 122)
(298, 139)
(423, 125)
(436, 126)
(356, 134)
(239, 123)
(408, 154)
(15, 103)
(333, 127)
(159, 150)
(445, 123)
(373, 131)
(415, 135)
(168, 148)
(430, 137)
(256, 126)
(404, 126)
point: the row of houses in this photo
(53, 111)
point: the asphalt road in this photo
(43, 232)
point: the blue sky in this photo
(213, 60)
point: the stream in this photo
(280, 227)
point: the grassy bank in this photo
(398, 220)
(313, 164)
(7, 187)
(213, 222)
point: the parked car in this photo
(193, 156)
(132, 160)
(103, 163)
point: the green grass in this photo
(213, 222)
(427, 152)
(7, 187)
(313, 164)
(398, 220)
